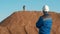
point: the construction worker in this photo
(45, 22)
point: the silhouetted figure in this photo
(45, 22)
(24, 8)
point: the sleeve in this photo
(39, 22)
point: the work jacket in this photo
(44, 24)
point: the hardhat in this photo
(45, 8)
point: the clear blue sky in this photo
(7, 7)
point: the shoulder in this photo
(40, 18)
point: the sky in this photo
(7, 7)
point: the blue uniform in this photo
(44, 24)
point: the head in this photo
(45, 9)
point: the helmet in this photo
(45, 8)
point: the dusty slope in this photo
(24, 23)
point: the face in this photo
(45, 12)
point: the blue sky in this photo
(7, 7)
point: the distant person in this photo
(24, 7)
(45, 22)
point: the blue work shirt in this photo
(44, 25)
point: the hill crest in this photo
(24, 23)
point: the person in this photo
(24, 7)
(45, 22)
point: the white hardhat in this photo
(45, 8)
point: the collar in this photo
(46, 13)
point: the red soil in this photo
(25, 23)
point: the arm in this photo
(39, 23)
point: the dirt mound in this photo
(25, 23)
